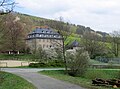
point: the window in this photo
(59, 36)
(39, 35)
(43, 40)
(43, 45)
(44, 35)
(53, 40)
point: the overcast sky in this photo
(100, 15)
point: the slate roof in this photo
(44, 30)
(75, 43)
(44, 33)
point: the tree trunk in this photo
(64, 57)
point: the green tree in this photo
(115, 40)
(94, 46)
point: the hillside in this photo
(77, 30)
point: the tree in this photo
(12, 34)
(94, 46)
(40, 54)
(115, 40)
(59, 54)
(64, 31)
(6, 6)
(78, 62)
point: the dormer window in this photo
(40, 35)
(42, 31)
(50, 31)
(37, 35)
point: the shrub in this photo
(51, 63)
(37, 65)
(56, 63)
(78, 62)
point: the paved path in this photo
(41, 81)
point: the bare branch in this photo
(2, 2)
(6, 7)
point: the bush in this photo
(52, 63)
(37, 65)
(78, 62)
(56, 63)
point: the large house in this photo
(44, 37)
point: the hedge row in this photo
(54, 63)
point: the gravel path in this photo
(41, 81)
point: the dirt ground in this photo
(13, 63)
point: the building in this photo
(44, 37)
(75, 44)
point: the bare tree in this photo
(6, 6)
(13, 34)
(64, 31)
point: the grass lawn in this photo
(85, 81)
(20, 56)
(92, 61)
(12, 81)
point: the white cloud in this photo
(101, 15)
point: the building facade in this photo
(44, 37)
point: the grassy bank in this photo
(85, 81)
(11, 81)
